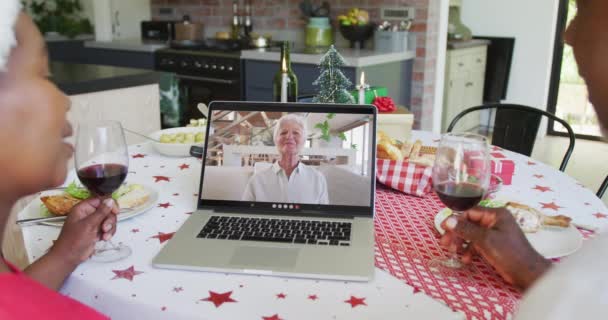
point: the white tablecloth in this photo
(133, 289)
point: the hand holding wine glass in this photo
(461, 175)
(102, 163)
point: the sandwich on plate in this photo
(127, 196)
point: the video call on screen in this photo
(249, 154)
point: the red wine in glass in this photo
(102, 162)
(461, 175)
(103, 179)
(459, 196)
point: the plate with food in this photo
(551, 236)
(176, 142)
(135, 198)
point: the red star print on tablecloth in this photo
(178, 289)
(354, 301)
(164, 205)
(538, 176)
(128, 273)
(184, 166)
(281, 296)
(273, 317)
(135, 230)
(139, 155)
(530, 163)
(219, 298)
(542, 189)
(161, 178)
(600, 215)
(551, 205)
(162, 237)
(313, 297)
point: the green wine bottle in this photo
(285, 84)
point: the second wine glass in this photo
(461, 176)
(102, 162)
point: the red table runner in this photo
(406, 241)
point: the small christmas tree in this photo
(332, 82)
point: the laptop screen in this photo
(289, 158)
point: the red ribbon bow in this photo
(384, 104)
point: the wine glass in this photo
(102, 162)
(461, 176)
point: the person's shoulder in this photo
(29, 299)
(312, 171)
(263, 173)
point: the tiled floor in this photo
(588, 164)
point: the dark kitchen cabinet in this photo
(396, 76)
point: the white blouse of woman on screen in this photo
(288, 180)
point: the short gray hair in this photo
(301, 121)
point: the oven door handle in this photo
(207, 79)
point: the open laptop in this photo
(254, 217)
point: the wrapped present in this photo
(500, 165)
(397, 124)
(405, 176)
(370, 94)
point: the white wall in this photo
(533, 24)
(131, 14)
(116, 20)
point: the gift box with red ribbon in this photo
(500, 165)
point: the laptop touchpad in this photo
(265, 257)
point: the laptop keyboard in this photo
(277, 230)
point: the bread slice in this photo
(531, 220)
(133, 198)
(59, 204)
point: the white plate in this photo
(176, 149)
(549, 242)
(34, 208)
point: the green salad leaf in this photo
(491, 203)
(77, 191)
(82, 193)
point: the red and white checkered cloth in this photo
(404, 176)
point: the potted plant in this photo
(327, 138)
(59, 17)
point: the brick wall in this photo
(285, 14)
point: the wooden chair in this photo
(516, 126)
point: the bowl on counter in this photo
(357, 34)
(177, 148)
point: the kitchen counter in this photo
(73, 78)
(127, 45)
(353, 57)
(468, 44)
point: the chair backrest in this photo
(602, 189)
(516, 127)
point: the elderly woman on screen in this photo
(288, 180)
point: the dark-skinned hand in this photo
(496, 236)
(89, 221)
